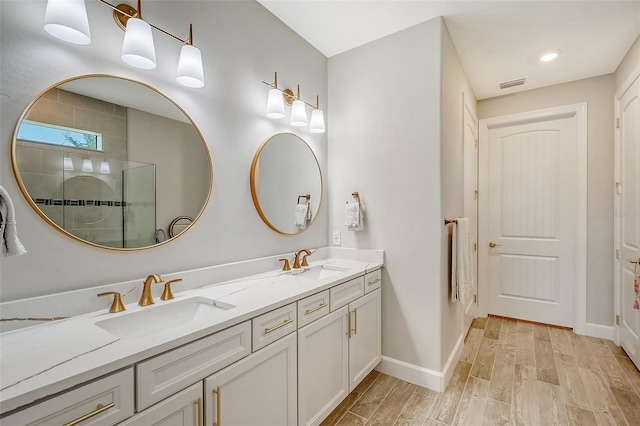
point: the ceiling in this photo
(497, 41)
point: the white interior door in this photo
(532, 212)
(627, 215)
(470, 151)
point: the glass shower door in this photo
(139, 207)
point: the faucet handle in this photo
(167, 294)
(286, 266)
(304, 260)
(116, 305)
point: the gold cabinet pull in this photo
(99, 410)
(198, 403)
(272, 329)
(355, 321)
(317, 308)
(349, 324)
(217, 393)
(636, 261)
(377, 280)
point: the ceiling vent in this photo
(513, 83)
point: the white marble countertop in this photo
(42, 360)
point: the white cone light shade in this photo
(317, 121)
(105, 167)
(298, 114)
(67, 163)
(138, 49)
(87, 166)
(67, 20)
(190, 73)
(275, 104)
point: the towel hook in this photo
(448, 221)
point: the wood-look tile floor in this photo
(510, 373)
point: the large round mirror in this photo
(111, 162)
(286, 183)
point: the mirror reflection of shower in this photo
(109, 202)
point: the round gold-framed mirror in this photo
(111, 161)
(286, 183)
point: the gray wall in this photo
(385, 144)
(242, 44)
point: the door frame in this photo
(617, 200)
(579, 111)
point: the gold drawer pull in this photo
(198, 403)
(310, 311)
(636, 261)
(100, 409)
(377, 280)
(272, 329)
(355, 321)
(217, 392)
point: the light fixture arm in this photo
(289, 96)
(122, 12)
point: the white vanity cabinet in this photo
(338, 350)
(103, 402)
(182, 409)
(323, 366)
(259, 390)
(365, 342)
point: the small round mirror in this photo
(286, 183)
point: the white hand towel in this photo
(301, 216)
(353, 217)
(463, 256)
(11, 245)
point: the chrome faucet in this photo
(147, 299)
(296, 260)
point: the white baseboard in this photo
(430, 379)
(601, 331)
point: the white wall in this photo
(242, 44)
(385, 143)
(454, 84)
(598, 93)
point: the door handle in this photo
(492, 244)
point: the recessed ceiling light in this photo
(549, 56)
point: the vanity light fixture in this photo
(87, 165)
(67, 163)
(105, 168)
(67, 20)
(275, 107)
(298, 112)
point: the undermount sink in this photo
(319, 272)
(160, 318)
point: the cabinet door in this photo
(182, 409)
(365, 342)
(259, 390)
(323, 366)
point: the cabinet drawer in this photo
(313, 307)
(182, 409)
(372, 280)
(172, 371)
(273, 325)
(89, 401)
(347, 292)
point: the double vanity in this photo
(272, 348)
